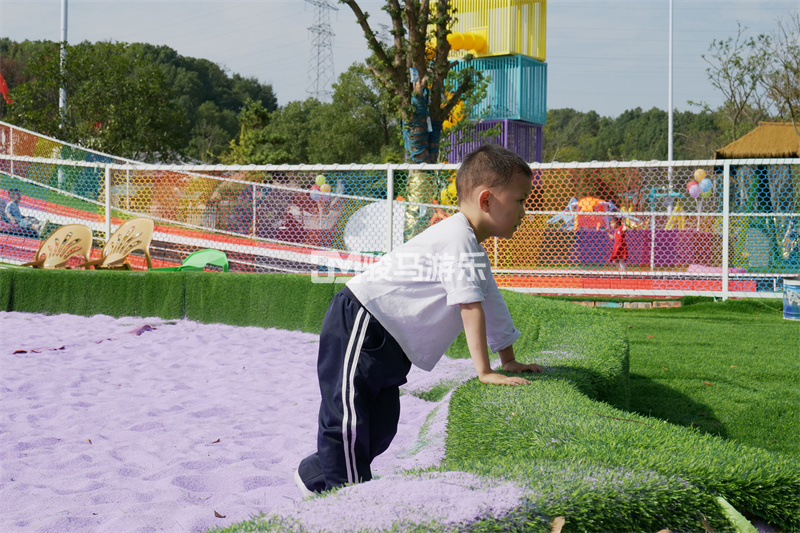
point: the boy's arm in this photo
(475, 330)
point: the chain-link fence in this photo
(722, 228)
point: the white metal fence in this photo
(726, 228)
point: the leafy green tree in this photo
(258, 143)
(213, 129)
(117, 102)
(569, 135)
(210, 98)
(414, 68)
(698, 135)
(355, 127)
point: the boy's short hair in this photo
(490, 165)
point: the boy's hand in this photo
(493, 378)
(514, 366)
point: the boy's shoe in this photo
(302, 486)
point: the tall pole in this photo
(669, 113)
(669, 82)
(62, 93)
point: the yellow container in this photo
(509, 26)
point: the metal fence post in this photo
(390, 207)
(253, 228)
(726, 226)
(108, 203)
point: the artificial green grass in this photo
(728, 368)
(525, 432)
(93, 292)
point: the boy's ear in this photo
(483, 199)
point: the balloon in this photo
(699, 174)
(690, 185)
(325, 188)
(694, 191)
(706, 194)
(456, 40)
(480, 43)
(315, 192)
(320, 179)
(706, 185)
(469, 41)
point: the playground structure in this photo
(507, 39)
(282, 218)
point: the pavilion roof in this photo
(768, 140)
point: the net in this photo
(714, 228)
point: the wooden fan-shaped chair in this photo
(65, 242)
(135, 234)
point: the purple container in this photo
(522, 138)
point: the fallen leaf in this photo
(705, 523)
(36, 351)
(665, 368)
(708, 383)
(733, 366)
(650, 336)
(20, 351)
(219, 515)
(556, 525)
(664, 531)
(88, 440)
(141, 329)
(61, 348)
(215, 442)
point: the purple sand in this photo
(142, 424)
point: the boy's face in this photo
(507, 208)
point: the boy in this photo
(13, 214)
(408, 308)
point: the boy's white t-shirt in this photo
(415, 290)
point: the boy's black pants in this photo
(360, 368)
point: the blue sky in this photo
(606, 56)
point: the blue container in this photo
(517, 90)
(791, 298)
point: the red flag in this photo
(4, 89)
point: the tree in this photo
(116, 102)
(782, 77)
(213, 129)
(258, 143)
(356, 126)
(736, 67)
(414, 69)
(758, 76)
